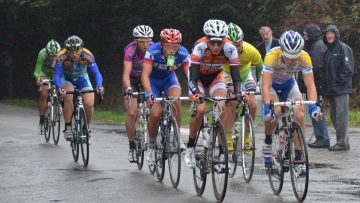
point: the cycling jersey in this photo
(132, 54)
(73, 71)
(43, 66)
(162, 77)
(274, 64)
(210, 63)
(155, 57)
(248, 57)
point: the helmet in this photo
(74, 43)
(235, 34)
(171, 36)
(291, 44)
(52, 48)
(143, 31)
(215, 29)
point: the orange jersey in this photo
(210, 63)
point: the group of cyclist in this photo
(68, 67)
(220, 63)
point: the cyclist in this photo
(207, 59)
(71, 68)
(248, 56)
(45, 69)
(280, 66)
(133, 59)
(160, 62)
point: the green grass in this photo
(119, 117)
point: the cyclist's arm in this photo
(94, 70)
(58, 73)
(235, 76)
(126, 74)
(259, 68)
(38, 66)
(266, 87)
(194, 78)
(186, 70)
(145, 75)
(310, 86)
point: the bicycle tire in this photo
(56, 122)
(248, 151)
(174, 153)
(46, 126)
(200, 170)
(276, 172)
(74, 142)
(139, 144)
(300, 189)
(160, 155)
(84, 138)
(219, 166)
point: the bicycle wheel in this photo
(174, 153)
(84, 138)
(276, 172)
(160, 154)
(201, 169)
(46, 125)
(233, 161)
(56, 122)
(139, 144)
(248, 147)
(299, 168)
(219, 162)
(74, 143)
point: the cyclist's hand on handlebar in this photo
(149, 96)
(128, 92)
(61, 92)
(314, 112)
(269, 114)
(239, 96)
(39, 82)
(100, 90)
(196, 98)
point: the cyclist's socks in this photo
(221, 150)
(191, 143)
(228, 136)
(67, 125)
(152, 142)
(132, 144)
(42, 118)
(268, 139)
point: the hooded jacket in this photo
(316, 49)
(338, 66)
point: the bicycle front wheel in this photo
(248, 147)
(56, 122)
(84, 138)
(276, 172)
(160, 154)
(74, 143)
(47, 124)
(174, 154)
(299, 163)
(219, 162)
(201, 169)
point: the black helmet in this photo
(74, 43)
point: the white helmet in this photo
(215, 29)
(291, 44)
(143, 31)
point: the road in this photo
(32, 170)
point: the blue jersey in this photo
(155, 56)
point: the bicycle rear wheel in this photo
(219, 162)
(201, 169)
(74, 143)
(56, 122)
(160, 155)
(174, 153)
(248, 147)
(299, 168)
(84, 138)
(276, 172)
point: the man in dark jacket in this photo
(268, 41)
(316, 48)
(337, 84)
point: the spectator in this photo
(268, 42)
(316, 49)
(337, 83)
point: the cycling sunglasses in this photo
(217, 43)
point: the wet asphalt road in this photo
(32, 170)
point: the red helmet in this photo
(171, 36)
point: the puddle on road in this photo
(97, 179)
(322, 165)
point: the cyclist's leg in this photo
(42, 104)
(250, 84)
(68, 107)
(230, 108)
(295, 94)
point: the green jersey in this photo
(43, 66)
